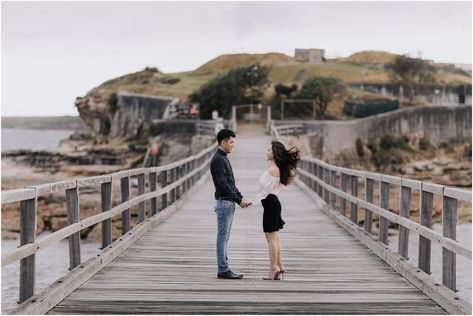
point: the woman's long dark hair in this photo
(286, 160)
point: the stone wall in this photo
(436, 123)
(136, 109)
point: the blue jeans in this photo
(224, 210)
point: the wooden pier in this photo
(171, 268)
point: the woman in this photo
(279, 175)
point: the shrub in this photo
(151, 69)
(425, 144)
(169, 80)
(388, 142)
(153, 130)
(112, 103)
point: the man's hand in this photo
(245, 203)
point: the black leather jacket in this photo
(222, 175)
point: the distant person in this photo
(172, 111)
(279, 175)
(226, 195)
(214, 114)
(194, 111)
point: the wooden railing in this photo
(175, 179)
(329, 183)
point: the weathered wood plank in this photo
(141, 191)
(426, 204)
(405, 210)
(125, 193)
(354, 192)
(449, 223)
(384, 204)
(106, 195)
(73, 216)
(152, 186)
(369, 188)
(27, 235)
(344, 187)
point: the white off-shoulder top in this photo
(268, 184)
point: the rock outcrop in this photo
(124, 115)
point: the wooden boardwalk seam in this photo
(172, 268)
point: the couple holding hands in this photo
(279, 175)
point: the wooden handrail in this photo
(319, 177)
(184, 173)
(448, 243)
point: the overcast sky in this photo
(53, 52)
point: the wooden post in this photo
(178, 176)
(304, 166)
(426, 203)
(192, 169)
(141, 191)
(126, 215)
(164, 198)
(320, 175)
(333, 181)
(369, 188)
(106, 191)
(449, 260)
(182, 173)
(310, 169)
(344, 187)
(152, 187)
(404, 211)
(173, 191)
(314, 171)
(27, 235)
(354, 206)
(187, 171)
(327, 181)
(72, 206)
(384, 203)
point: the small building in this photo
(310, 55)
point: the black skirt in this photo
(272, 221)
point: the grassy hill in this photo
(363, 67)
(369, 57)
(222, 63)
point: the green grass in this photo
(151, 82)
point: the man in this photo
(226, 195)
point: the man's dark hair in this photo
(224, 134)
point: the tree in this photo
(322, 90)
(412, 74)
(238, 86)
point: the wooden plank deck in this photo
(172, 268)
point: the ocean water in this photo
(51, 264)
(33, 139)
